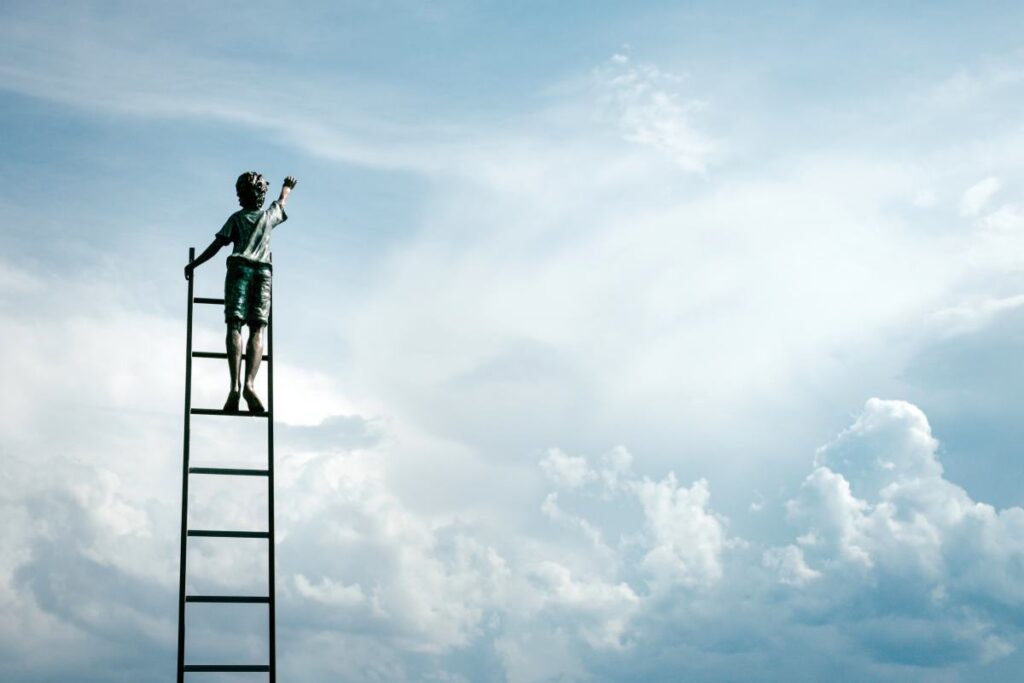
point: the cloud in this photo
(89, 488)
(330, 592)
(558, 288)
(978, 195)
(83, 573)
(887, 533)
(333, 432)
(970, 84)
(124, 65)
(888, 554)
(890, 441)
(686, 539)
(18, 280)
(789, 562)
(430, 584)
(565, 470)
(646, 104)
(971, 317)
(551, 509)
(682, 539)
(436, 586)
(598, 609)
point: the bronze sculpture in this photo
(247, 282)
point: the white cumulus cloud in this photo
(884, 527)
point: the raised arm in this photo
(286, 189)
(207, 254)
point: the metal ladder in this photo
(186, 470)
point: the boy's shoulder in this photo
(228, 229)
(253, 215)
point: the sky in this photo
(613, 341)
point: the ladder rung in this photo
(221, 354)
(227, 598)
(228, 534)
(206, 300)
(227, 667)
(229, 470)
(216, 411)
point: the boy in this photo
(247, 285)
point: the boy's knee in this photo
(234, 325)
(256, 327)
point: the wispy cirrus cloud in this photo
(142, 72)
(650, 108)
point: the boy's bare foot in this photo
(253, 401)
(231, 405)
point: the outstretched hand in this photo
(290, 182)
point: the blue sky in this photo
(615, 341)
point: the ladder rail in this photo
(271, 592)
(184, 477)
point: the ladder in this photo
(186, 471)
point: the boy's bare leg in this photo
(234, 349)
(252, 366)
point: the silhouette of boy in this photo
(247, 284)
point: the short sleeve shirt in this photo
(249, 232)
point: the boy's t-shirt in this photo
(249, 232)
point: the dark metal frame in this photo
(186, 533)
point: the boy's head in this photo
(252, 190)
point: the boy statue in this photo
(247, 284)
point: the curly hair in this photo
(251, 188)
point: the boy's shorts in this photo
(247, 291)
